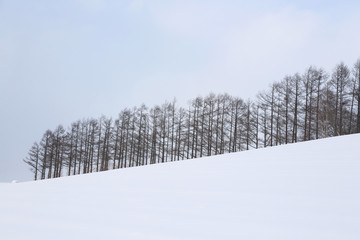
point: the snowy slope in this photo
(299, 191)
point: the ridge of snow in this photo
(307, 190)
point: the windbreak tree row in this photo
(301, 107)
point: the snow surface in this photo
(299, 191)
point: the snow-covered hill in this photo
(299, 191)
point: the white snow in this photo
(299, 191)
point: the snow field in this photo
(307, 190)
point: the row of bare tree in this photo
(299, 108)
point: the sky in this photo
(61, 61)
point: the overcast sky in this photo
(61, 61)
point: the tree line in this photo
(300, 107)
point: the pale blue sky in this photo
(65, 60)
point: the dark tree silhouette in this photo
(300, 107)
